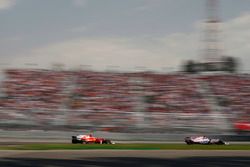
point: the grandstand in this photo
(127, 102)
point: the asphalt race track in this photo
(120, 158)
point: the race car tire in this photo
(220, 142)
(107, 142)
(83, 142)
(189, 142)
(74, 140)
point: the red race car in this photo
(89, 139)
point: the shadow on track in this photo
(128, 161)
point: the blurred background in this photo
(124, 69)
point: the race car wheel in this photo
(74, 140)
(188, 141)
(107, 142)
(83, 142)
(220, 142)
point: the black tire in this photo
(220, 142)
(83, 142)
(74, 140)
(107, 142)
(188, 141)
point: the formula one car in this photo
(204, 140)
(89, 139)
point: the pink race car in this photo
(204, 140)
(89, 139)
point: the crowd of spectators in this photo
(175, 93)
(101, 91)
(44, 89)
(113, 95)
(233, 93)
(32, 89)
